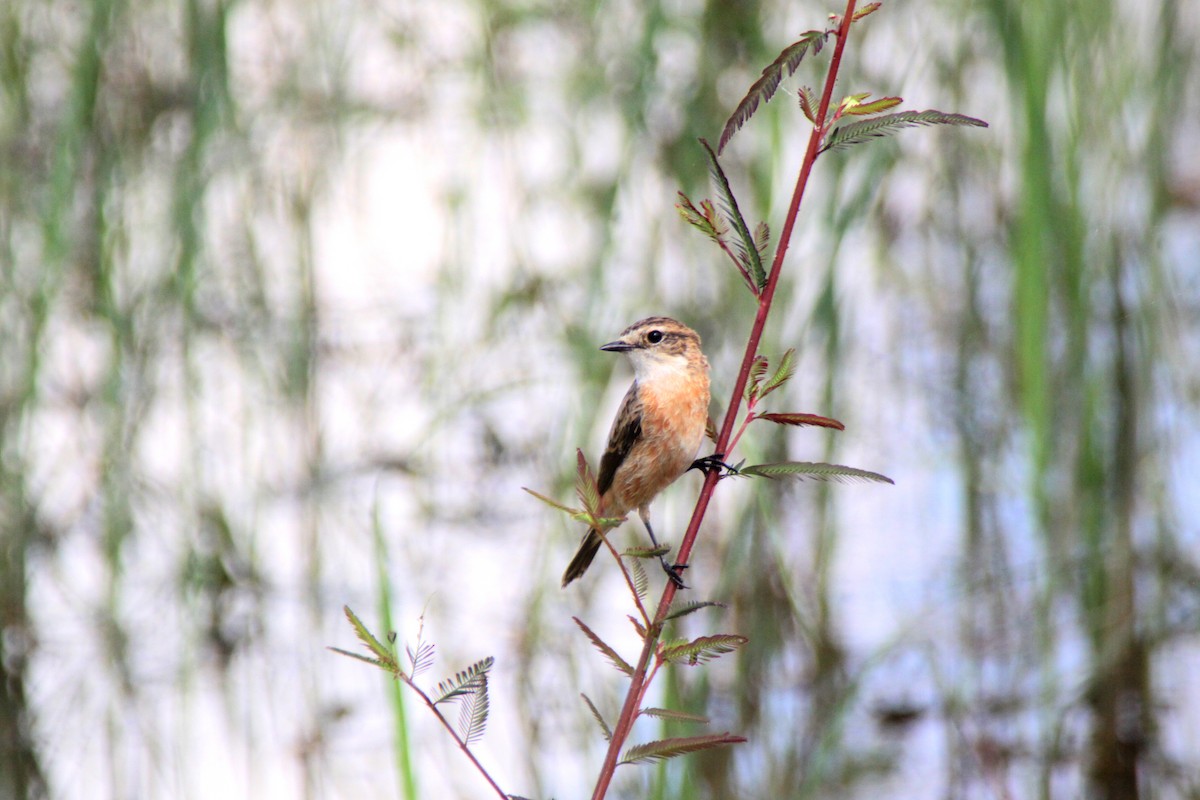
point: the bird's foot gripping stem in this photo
(674, 572)
(713, 463)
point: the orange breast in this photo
(674, 413)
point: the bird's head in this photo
(658, 345)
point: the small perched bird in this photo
(658, 430)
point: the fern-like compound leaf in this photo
(808, 103)
(802, 419)
(585, 484)
(677, 716)
(861, 109)
(472, 717)
(704, 218)
(360, 657)
(550, 502)
(420, 657)
(762, 239)
(758, 369)
(702, 650)
(669, 748)
(641, 582)
(464, 683)
(647, 552)
(783, 373)
(605, 731)
(604, 649)
(848, 134)
(747, 251)
(381, 651)
(692, 607)
(764, 88)
(813, 470)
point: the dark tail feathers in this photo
(583, 557)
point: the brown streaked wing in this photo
(626, 429)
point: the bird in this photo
(657, 431)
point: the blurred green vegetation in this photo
(295, 296)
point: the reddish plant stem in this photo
(638, 681)
(628, 579)
(462, 745)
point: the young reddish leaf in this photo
(803, 419)
(704, 218)
(808, 103)
(669, 748)
(709, 222)
(607, 651)
(762, 239)
(764, 88)
(585, 484)
(758, 368)
(869, 8)
(604, 729)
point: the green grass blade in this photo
(402, 753)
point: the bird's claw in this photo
(715, 462)
(675, 573)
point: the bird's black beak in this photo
(617, 347)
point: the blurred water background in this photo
(295, 296)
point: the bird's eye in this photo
(654, 337)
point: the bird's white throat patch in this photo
(650, 366)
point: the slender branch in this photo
(628, 578)
(638, 681)
(741, 430)
(746, 276)
(462, 745)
